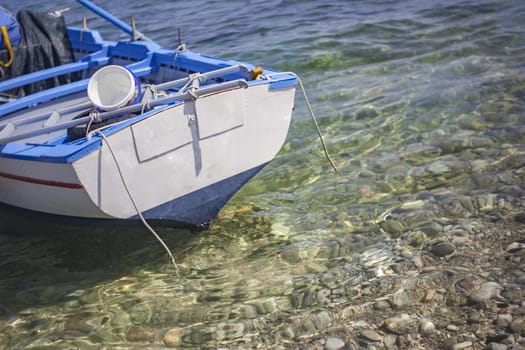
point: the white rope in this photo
(139, 213)
(312, 115)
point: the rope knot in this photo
(94, 117)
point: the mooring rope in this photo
(139, 213)
(312, 115)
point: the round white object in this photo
(111, 87)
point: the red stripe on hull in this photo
(42, 182)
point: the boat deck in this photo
(43, 118)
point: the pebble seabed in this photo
(462, 291)
(465, 292)
(448, 285)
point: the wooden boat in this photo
(141, 130)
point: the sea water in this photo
(422, 106)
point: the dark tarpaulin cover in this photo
(44, 44)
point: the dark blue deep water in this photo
(422, 104)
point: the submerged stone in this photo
(174, 337)
(518, 326)
(392, 226)
(366, 112)
(486, 291)
(426, 327)
(321, 320)
(417, 238)
(400, 300)
(443, 249)
(140, 334)
(371, 335)
(402, 324)
(333, 343)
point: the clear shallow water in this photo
(422, 106)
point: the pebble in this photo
(518, 326)
(288, 333)
(371, 335)
(321, 320)
(449, 343)
(308, 326)
(486, 291)
(417, 238)
(469, 284)
(430, 294)
(463, 345)
(390, 340)
(334, 343)
(401, 324)
(400, 300)
(173, 337)
(474, 317)
(392, 226)
(496, 346)
(509, 340)
(426, 327)
(139, 334)
(84, 322)
(248, 311)
(515, 247)
(432, 228)
(381, 305)
(514, 294)
(443, 249)
(438, 168)
(366, 112)
(417, 204)
(452, 328)
(503, 320)
(103, 336)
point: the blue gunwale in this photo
(55, 151)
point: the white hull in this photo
(172, 154)
(136, 129)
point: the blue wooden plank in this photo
(95, 59)
(42, 75)
(42, 96)
(85, 40)
(140, 68)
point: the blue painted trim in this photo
(55, 151)
(282, 83)
(50, 153)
